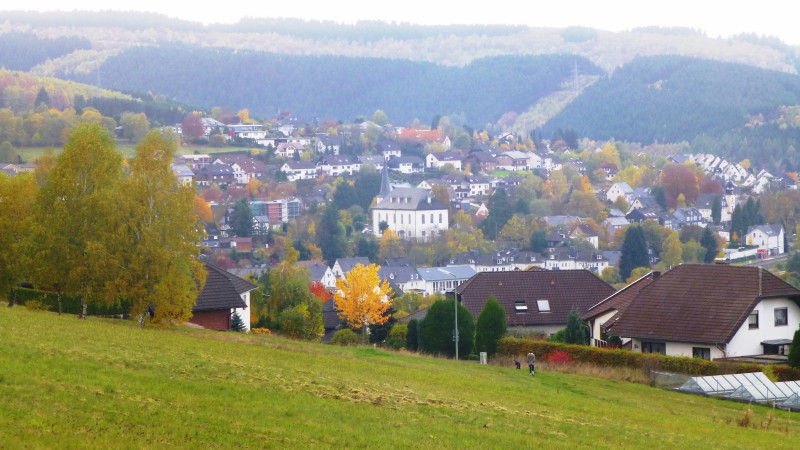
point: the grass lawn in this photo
(105, 383)
(128, 150)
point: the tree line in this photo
(85, 224)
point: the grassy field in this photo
(104, 383)
(128, 150)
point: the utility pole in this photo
(455, 330)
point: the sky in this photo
(715, 18)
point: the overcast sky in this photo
(768, 17)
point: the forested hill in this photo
(337, 87)
(673, 99)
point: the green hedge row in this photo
(623, 358)
(784, 373)
(70, 304)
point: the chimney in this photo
(656, 274)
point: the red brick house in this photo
(223, 295)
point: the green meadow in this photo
(68, 383)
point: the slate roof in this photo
(222, 290)
(316, 269)
(700, 303)
(346, 264)
(410, 199)
(446, 273)
(769, 230)
(564, 289)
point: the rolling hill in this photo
(103, 383)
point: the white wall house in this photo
(766, 237)
(732, 311)
(412, 213)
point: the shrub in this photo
(345, 336)
(397, 336)
(559, 357)
(616, 357)
(437, 329)
(412, 343)
(491, 326)
(261, 331)
(36, 305)
(794, 352)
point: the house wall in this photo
(549, 330)
(244, 313)
(748, 342)
(411, 224)
(594, 325)
(680, 348)
(218, 320)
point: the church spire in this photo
(385, 187)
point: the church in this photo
(412, 213)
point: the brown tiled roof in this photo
(222, 290)
(620, 300)
(564, 289)
(699, 303)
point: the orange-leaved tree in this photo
(363, 297)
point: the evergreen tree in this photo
(539, 241)
(794, 352)
(330, 234)
(412, 343)
(716, 210)
(436, 331)
(633, 252)
(379, 332)
(42, 98)
(237, 324)
(500, 211)
(576, 331)
(491, 326)
(709, 241)
(241, 219)
(660, 196)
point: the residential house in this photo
(343, 265)
(705, 204)
(196, 161)
(319, 272)
(244, 167)
(687, 216)
(406, 164)
(338, 165)
(389, 150)
(438, 280)
(574, 258)
(376, 161)
(712, 311)
(768, 238)
(214, 174)
(481, 161)
(183, 173)
(402, 278)
(584, 232)
(610, 169)
(327, 144)
(248, 131)
(514, 161)
(223, 295)
(300, 170)
(534, 300)
(438, 160)
(618, 189)
(288, 149)
(602, 316)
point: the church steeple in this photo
(385, 187)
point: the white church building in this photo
(412, 213)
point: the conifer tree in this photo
(490, 327)
(794, 352)
(710, 243)
(575, 333)
(633, 251)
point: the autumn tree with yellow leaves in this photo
(363, 297)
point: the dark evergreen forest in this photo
(343, 88)
(22, 51)
(674, 99)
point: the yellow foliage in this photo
(363, 297)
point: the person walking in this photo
(531, 362)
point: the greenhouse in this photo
(722, 385)
(767, 392)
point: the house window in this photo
(543, 305)
(520, 306)
(423, 219)
(654, 347)
(440, 217)
(752, 320)
(781, 316)
(701, 352)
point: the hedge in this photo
(70, 304)
(626, 358)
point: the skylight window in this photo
(520, 306)
(544, 305)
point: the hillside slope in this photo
(104, 383)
